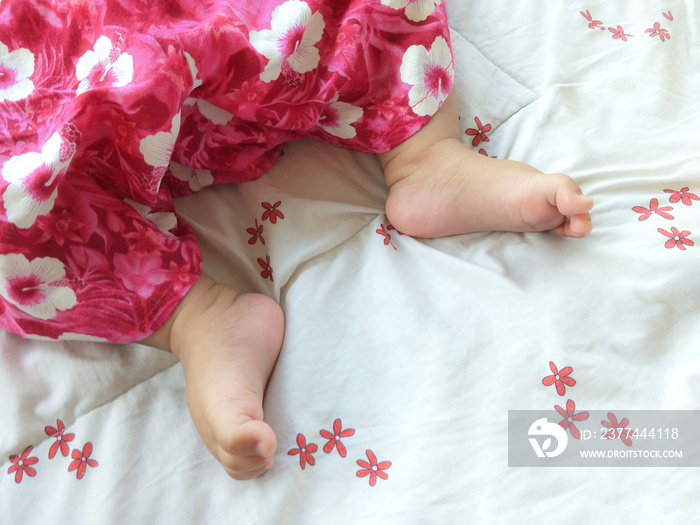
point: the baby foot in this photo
(228, 344)
(450, 190)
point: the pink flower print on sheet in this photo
(33, 182)
(271, 212)
(15, 69)
(305, 451)
(657, 30)
(374, 469)
(683, 195)
(617, 429)
(677, 239)
(570, 417)
(430, 73)
(384, 232)
(668, 16)
(22, 465)
(104, 66)
(267, 269)
(483, 152)
(479, 133)
(618, 33)
(592, 24)
(415, 10)
(62, 439)
(257, 234)
(81, 460)
(290, 41)
(35, 287)
(559, 378)
(645, 213)
(334, 438)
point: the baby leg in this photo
(438, 187)
(228, 344)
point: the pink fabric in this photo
(109, 109)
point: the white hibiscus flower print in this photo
(338, 118)
(34, 287)
(33, 179)
(213, 113)
(197, 179)
(291, 39)
(157, 149)
(164, 221)
(196, 81)
(431, 75)
(15, 69)
(104, 66)
(416, 10)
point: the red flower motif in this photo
(653, 208)
(335, 437)
(683, 195)
(593, 24)
(271, 212)
(657, 30)
(677, 238)
(479, 133)
(62, 439)
(178, 277)
(305, 451)
(619, 33)
(373, 468)
(668, 16)
(569, 418)
(267, 269)
(256, 233)
(81, 460)
(559, 378)
(617, 429)
(384, 231)
(21, 465)
(60, 227)
(482, 151)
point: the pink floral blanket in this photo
(110, 109)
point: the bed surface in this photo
(402, 356)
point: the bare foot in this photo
(455, 190)
(228, 344)
(438, 187)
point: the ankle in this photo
(199, 297)
(417, 200)
(207, 300)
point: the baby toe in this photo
(245, 467)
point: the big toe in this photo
(246, 450)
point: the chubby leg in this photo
(438, 188)
(228, 344)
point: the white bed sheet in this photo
(422, 347)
